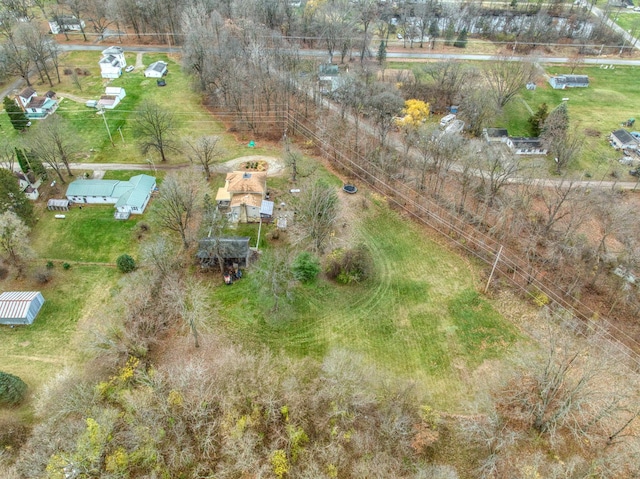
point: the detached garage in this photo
(20, 307)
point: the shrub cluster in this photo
(350, 265)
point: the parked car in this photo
(635, 172)
(161, 82)
(129, 69)
(92, 103)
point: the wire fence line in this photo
(509, 266)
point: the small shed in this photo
(266, 211)
(58, 205)
(233, 249)
(623, 139)
(20, 307)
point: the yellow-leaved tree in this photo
(415, 113)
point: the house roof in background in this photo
(238, 182)
(27, 92)
(113, 50)
(158, 66)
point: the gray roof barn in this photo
(20, 307)
(623, 139)
(233, 249)
(560, 82)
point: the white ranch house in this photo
(156, 70)
(129, 197)
(112, 62)
(20, 307)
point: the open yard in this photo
(420, 317)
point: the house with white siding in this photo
(112, 62)
(129, 197)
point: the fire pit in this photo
(351, 189)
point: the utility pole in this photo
(106, 125)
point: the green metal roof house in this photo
(20, 307)
(129, 197)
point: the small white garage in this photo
(156, 70)
(20, 307)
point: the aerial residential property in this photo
(112, 62)
(37, 107)
(156, 70)
(129, 197)
(65, 23)
(111, 98)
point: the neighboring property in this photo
(20, 307)
(37, 107)
(156, 70)
(243, 193)
(560, 82)
(328, 78)
(112, 62)
(129, 197)
(111, 98)
(622, 139)
(29, 186)
(526, 146)
(495, 135)
(65, 23)
(229, 250)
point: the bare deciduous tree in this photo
(14, 239)
(506, 76)
(204, 151)
(317, 213)
(154, 126)
(177, 204)
(52, 144)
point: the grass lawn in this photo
(90, 234)
(630, 21)
(420, 318)
(39, 351)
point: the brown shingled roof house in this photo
(242, 194)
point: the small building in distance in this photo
(526, 146)
(111, 98)
(156, 70)
(112, 62)
(20, 307)
(29, 184)
(65, 23)
(622, 139)
(561, 82)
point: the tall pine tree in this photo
(16, 116)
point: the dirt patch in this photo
(272, 165)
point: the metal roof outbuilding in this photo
(20, 307)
